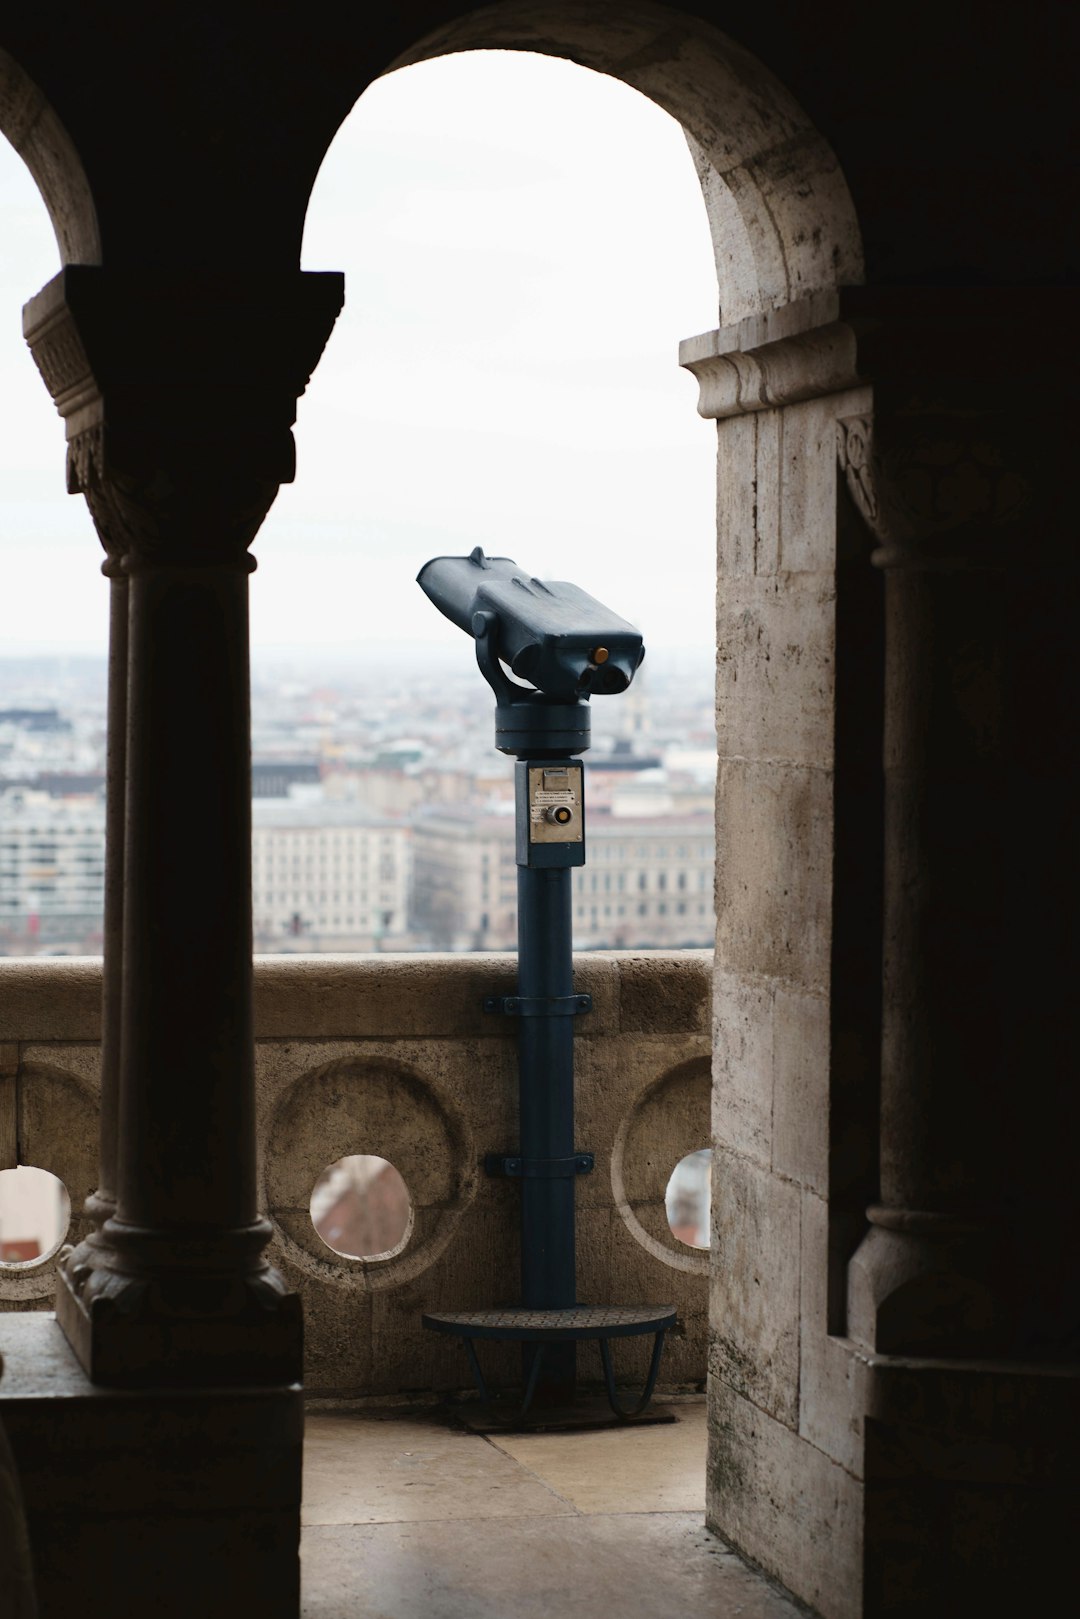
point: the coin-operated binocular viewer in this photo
(569, 647)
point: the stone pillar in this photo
(967, 1252)
(101, 1204)
(179, 394)
(893, 1400)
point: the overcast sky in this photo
(524, 243)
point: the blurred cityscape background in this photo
(524, 244)
(382, 820)
(382, 814)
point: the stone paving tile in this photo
(363, 1469)
(635, 1566)
(648, 1469)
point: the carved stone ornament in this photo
(179, 395)
(947, 489)
(853, 453)
(954, 464)
(207, 516)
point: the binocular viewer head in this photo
(552, 634)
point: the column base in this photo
(177, 1328)
(930, 1489)
(160, 1501)
(930, 1284)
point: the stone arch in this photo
(57, 1129)
(384, 1106)
(669, 1119)
(36, 133)
(782, 219)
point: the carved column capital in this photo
(961, 453)
(934, 490)
(959, 462)
(178, 393)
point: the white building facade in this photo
(327, 876)
(52, 872)
(647, 882)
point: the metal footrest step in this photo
(601, 1322)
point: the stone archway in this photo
(782, 221)
(777, 377)
(41, 140)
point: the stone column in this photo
(967, 1252)
(101, 1204)
(179, 394)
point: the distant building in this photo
(360, 1207)
(327, 876)
(464, 888)
(273, 778)
(379, 790)
(35, 719)
(52, 872)
(647, 882)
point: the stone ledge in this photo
(414, 995)
(50, 998)
(786, 371)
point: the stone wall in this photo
(394, 1056)
(785, 1457)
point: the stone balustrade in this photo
(394, 1056)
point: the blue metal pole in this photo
(546, 1089)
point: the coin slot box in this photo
(551, 832)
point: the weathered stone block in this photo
(754, 1285)
(768, 491)
(51, 999)
(413, 996)
(800, 1120)
(784, 1504)
(679, 1278)
(808, 509)
(9, 1105)
(159, 1501)
(595, 1235)
(775, 641)
(742, 1107)
(667, 1121)
(774, 871)
(669, 995)
(833, 1375)
(971, 1494)
(736, 499)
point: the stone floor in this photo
(414, 1517)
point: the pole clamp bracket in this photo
(538, 1005)
(517, 1167)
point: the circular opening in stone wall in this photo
(361, 1208)
(35, 1212)
(689, 1198)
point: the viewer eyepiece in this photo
(550, 633)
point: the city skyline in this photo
(382, 816)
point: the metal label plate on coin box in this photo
(555, 808)
(549, 812)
